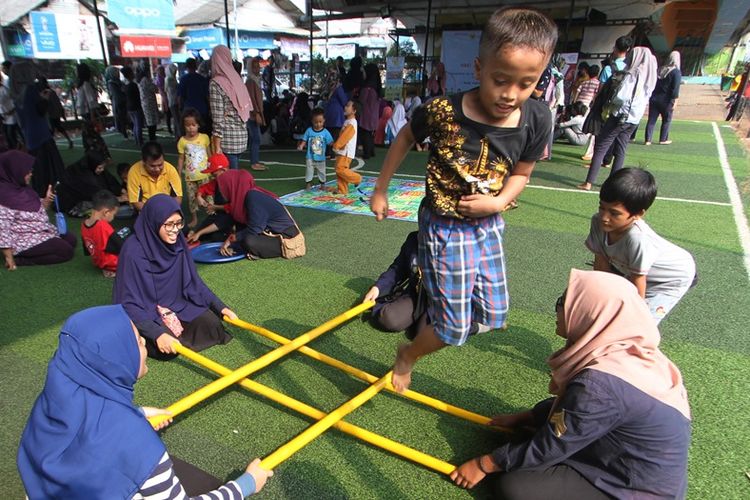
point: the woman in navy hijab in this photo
(85, 438)
(160, 289)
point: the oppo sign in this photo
(144, 16)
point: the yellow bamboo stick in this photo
(217, 385)
(362, 375)
(319, 427)
(369, 437)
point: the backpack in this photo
(610, 92)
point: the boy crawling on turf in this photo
(622, 242)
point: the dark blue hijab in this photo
(151, 272)
(85, 438)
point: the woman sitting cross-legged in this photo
(26, 236)
(159, 287)
(86, 439)
(619, 424)
(264, 218)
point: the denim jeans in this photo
(253, 141)
(234, 160)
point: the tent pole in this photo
(226, 25)
(99, 30)
(426, 44)
(310, 75)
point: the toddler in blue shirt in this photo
(317, 138)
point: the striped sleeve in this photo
(163, 484)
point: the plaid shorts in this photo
(463, 272)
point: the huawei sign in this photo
(145, 46)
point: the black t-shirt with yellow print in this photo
(468, 157)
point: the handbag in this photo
(293, 247)
(170, 320)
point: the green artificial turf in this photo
(706, 335)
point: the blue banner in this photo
(253, 40)
(142, 15)
(44, 26)
(204, 38)
(211, 37)
(20, 44)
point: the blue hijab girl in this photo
(85, 438)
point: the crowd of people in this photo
(618, 424)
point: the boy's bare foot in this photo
(402, 368)
(308, 186)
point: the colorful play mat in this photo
(404, 197)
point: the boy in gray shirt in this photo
(624, 244)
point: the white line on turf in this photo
(683, 200)
(361, 163)
(734, 197)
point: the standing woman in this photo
(369, 97)
(116, 91)
(159, 287)
(160, 82)
(664, 98)
(436, 83)
(230, 107)
(257, 119)
(133, 105)
(625, 112)
(150, 108)
(88, 108)
(264, 218)
(170, 87)
(337, 99)
(31, 110)
(26, 236)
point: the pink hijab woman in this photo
(618, 425)
(230, 107)
(231, 83)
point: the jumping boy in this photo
(624, 244)
(99, 237)
(485, 144)
(317, 139)
(345, 147)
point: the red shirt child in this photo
(99, 237)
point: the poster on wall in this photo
(394, 78)
(64, 36)
(459, 49)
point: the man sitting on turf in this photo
(152, 175)
(624, 244)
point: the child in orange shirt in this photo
(345, 148)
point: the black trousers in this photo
(656, 108)
(613, 134)
(559, 482)
(263, 246)
(368, 143)
(203, 332)
(195, 481)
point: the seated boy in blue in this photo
(485, 143)
(317, 138)
(624, 244)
